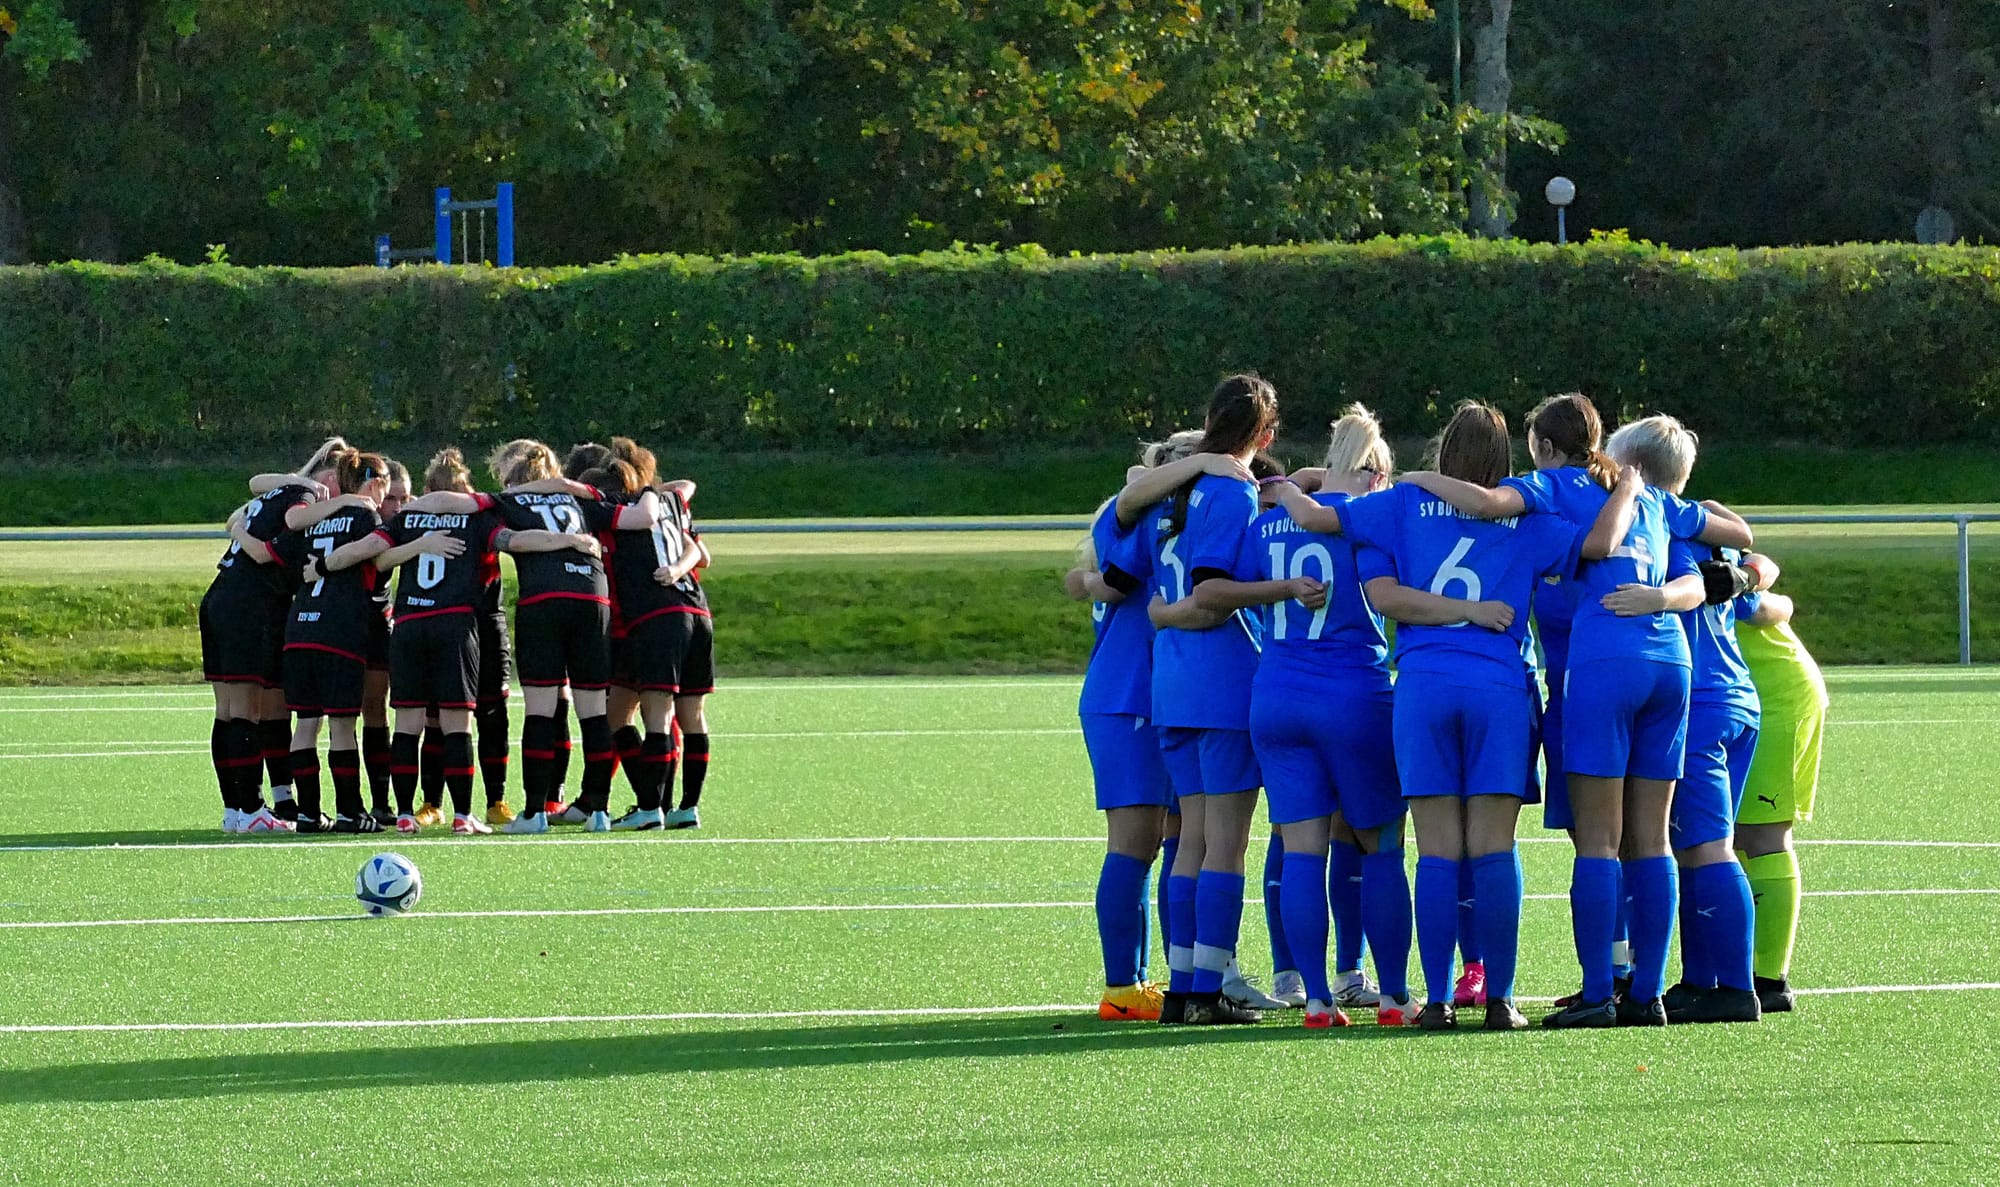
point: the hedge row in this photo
(977, 349)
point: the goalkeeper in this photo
(1784, 774)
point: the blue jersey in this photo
(1433, 546)
(1201, 679)
(1720, 676)
(1641, 558)
(1120, 676)
(1555, 598)
(1301, 645)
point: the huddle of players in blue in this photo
(1242, 644)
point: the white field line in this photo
(766, 1016)
(290, 843)
(803, 684)
(746, 909)
(191, 747)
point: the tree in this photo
(1111, 125)
(1492, 88)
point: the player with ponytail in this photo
(1201, 701)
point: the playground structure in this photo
(451, 219)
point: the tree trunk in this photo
(1492, 87)
(111, 28)
(1942, 107)
(13, 227)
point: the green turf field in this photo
(877, 962)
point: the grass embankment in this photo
(923, 603)
(1054, 482)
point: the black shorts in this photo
(493, 657)
(672, 652)
(378, 644)
(323, 683)
(242, 640)
(434, 662)
(563, 640)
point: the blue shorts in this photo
(1459, 741)
(1125, 762)
(1625, 718)
(1326, 753)
(1209, 762)
(1720, 743)
(1555, 783)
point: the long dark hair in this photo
(1570, 424)
(1474, 446)
(1240, 411)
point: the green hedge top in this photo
(1841, 345)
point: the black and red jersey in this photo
(432, 583)
(564, 573)
(633, 556)
(333, 613)
(688, 589)
(264, 519)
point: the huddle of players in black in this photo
(301, 621)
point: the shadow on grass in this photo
(166, 836)
(610, 1057)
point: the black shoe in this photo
(1637, 1013)
(286, 810)
(1173, 1009)
(1501, 1015)
(315, 822)
(1583, 1015)
(1725, 1005)
(1680, 999)
(356, 824)
(1438, 1016)
(1774, 994)
(385, 817)
(1621, 987)
(1216, 1010)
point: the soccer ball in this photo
(388, 884)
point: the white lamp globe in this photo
(1560, 191)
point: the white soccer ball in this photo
(388, 884)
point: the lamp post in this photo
(1560, 192)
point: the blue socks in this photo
(1593, 910)
(1282, 959)
(1218, 916)
(1385, 916)
(1695, 968)
(1654, 884)
(1343, 892)
(1497, 889)
(1437, 923)
(1121, 917)
(1305, 921)
(1621, 934)
(1180, 944)
(1725, 923)
(1468, 916)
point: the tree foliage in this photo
(293, 133)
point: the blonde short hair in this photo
(1183, 444)
(523, 460)
(1358, 444)
(1661, 447)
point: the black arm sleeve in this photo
(1208, 574)
(1120, 580)
(1723, 582)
